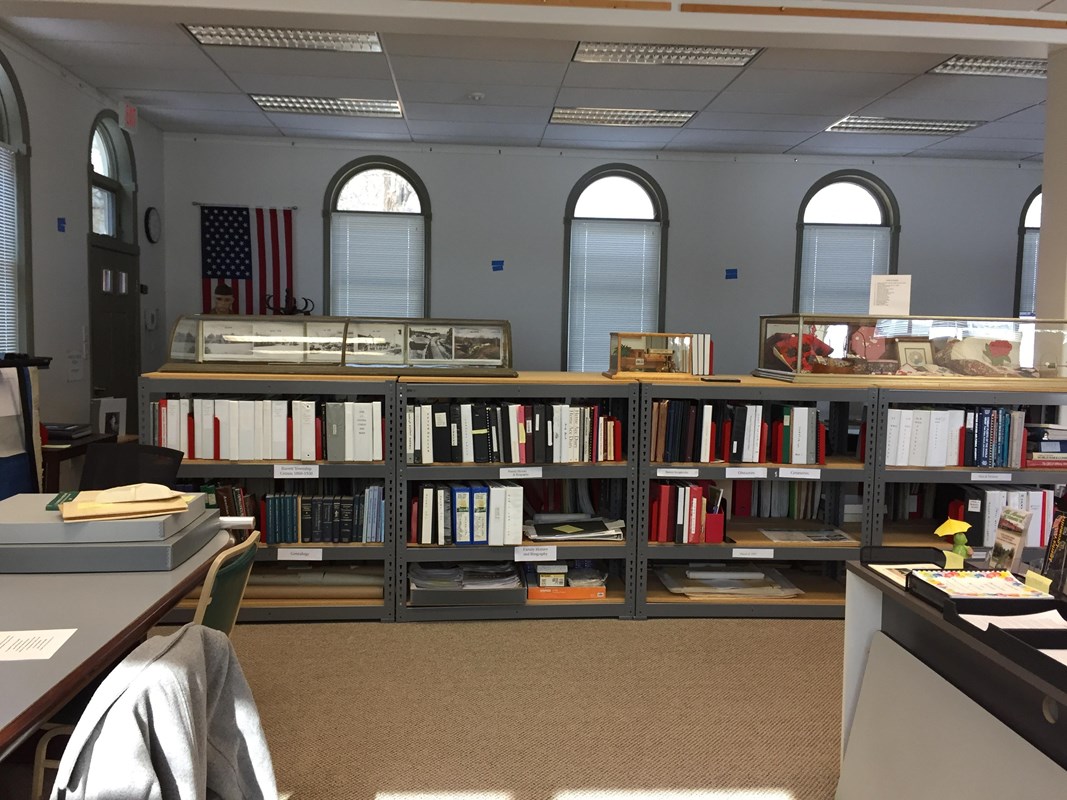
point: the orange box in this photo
(566, 592)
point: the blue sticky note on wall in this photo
(498, 265)
(731, 274)
(61, 224)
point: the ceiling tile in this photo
(168, 117)
(496, 141)
(477, 112)
(459, 70)
(91, 30)
(991, 155)
(478, 47)
(355, 125)
(988, 145)
(617, 133)
(313, 63)
(960, 97)
(694, 146)
(204, 101)
(1034, 115)
(429, 92)
(631, 98)
(600, 144)
(861, 144)
(718, 120)
(484, 131)
(306, 86)
(180, 80)
(806, 105)
(741, 140)
(649, 76)
(846, 61)
(79, 55)
(318, 133)
(1007, 130)
(811, 82)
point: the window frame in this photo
(1019, 253)
(659, 215)
(882, 195)
(333, 193)
(15, 133)
(123, 188)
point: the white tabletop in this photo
(109, 610)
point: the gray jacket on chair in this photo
(174, 721)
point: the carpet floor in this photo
(550, 710)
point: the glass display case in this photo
(794, 346)
(355, 345)
(644, 353)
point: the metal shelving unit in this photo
(824, 596)
(561, 387)
(973, 394)
(155, 385)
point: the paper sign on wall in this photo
(890, 295)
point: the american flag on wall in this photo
(251, 251)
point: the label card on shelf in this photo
(746, 472)
(677, 472)
(753, 552)
(299, 554)
(801, 473)
(990, 477)
(296, 470)
(974, 506)
(539, 552)
(515, 473)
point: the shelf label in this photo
(802, 474)
(746, 472)
(514, 473)
(677, 472)
(753, 552)
(974, 506)
(989, 477)
(539, 552)
(296, 470)
(299, 554)
(980, 555)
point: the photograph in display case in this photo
(477, 344)
(663, 353)
(324, 341)
(228, 340)
(915, 353)
(430, 343)
(278, 340)
(375, 343)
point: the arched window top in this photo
(844, 202)
(378, 188)
(102, 153)
(615, 197)
(1032, 216)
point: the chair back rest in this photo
(224, 586)
(109, 465)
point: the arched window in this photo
(1026, 271)
(111, 180)
(378, 226)
(847, 231)
(616, 236)
(15, 300)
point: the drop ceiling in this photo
(467, 87)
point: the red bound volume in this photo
(190, 425)
(318, 438)
(262, 513)
(413, 519)
(742, 504)
(727, 435)
(695, 495)
(217, 432)
(161, 426)
(763, 443)
(668, 511)
(820, 445)
(289, 438)
(961, 459)
(653, 519)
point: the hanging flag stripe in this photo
(250, 252)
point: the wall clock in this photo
(153, 224)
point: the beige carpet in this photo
(550, 710)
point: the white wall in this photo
(61, 111)
(959, 229)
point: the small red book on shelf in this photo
(727, 431)
(653, 519)
(820, 445)
(763, 435)
(318, 438)
(289, 438)
(216, 429)
(190, 426)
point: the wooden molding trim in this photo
(894, 16)
(624, 5)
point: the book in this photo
(66, 431)
(1010, 539)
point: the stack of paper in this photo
(124, 502)
(596, 528)
(750, 582)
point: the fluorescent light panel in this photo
(289, 38)
(621, 117)
(924, 127)
(328, 106)
(684, 54)
(994, 66)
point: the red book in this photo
(288, 438)
(820, 445)
(667, 511)
(653, 518)
(262, 515)
(1059, 463)
(727, 432)
(711, 358)
(742, 504)
(620, 454)
(763, 443)
(162, 424)
(961, 460)
(190, 425)
(413, 519)
(318, 438)
(711, 433)
(520, 418)
(216, 431)
(1022, 460)
(693, 533)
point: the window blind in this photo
(614, 286)
(377, 264)
(837, 262)
(9, 288)
(1028, 276)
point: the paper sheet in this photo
(1046, 620)
(890, 295)
(32, 645)
(1059, 655)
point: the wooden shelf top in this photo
(525, 377)
(267, 376)
(817, 589)
(299, 602)
(832, 462)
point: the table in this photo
(56, 451)
(112, 612)
(928, 707)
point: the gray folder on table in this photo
(24, 520)
(80, 556)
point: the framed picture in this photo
(481, 344)
(915, 353)
(227, 340)
(324, 341)
(108, 415)
(281, 340)
(432, 343)
(375, 343)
